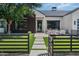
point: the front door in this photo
(39, 26)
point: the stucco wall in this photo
(39, 16)
(75, 16)
(67, 22)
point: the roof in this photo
(54, 13)
(71, 11)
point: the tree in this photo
(15, 12)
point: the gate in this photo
(63, 44)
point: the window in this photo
(77, 24)
(74, 22)
(1, 24)
(53, 24)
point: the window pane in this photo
(1, 23)
(53, 24)
(74, 22)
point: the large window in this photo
(1, 24)
(53, 24)
(74, 22)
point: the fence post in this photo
(50, 46)
(71, 42)
(28, 43)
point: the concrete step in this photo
(39, 37)
(39, 40)
(39, 43)
(37, 52)
(39, 46)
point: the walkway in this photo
(39, 45)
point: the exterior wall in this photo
(39, 16)
(67, 22)
(75, 16)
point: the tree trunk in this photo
(9, 26)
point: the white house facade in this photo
(57, 19)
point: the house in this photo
(44, 20)
(57, 19)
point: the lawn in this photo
(32, 39)
(66, 42)
(46, 41)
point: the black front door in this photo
(39, 26)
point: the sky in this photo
(60, 6)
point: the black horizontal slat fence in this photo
(63, 43)
(14, 43)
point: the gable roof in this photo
(72, 11)
(54, 13)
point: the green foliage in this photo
(15, 11)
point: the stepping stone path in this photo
(39, 45)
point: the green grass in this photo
(32, 39)
(46, 41)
